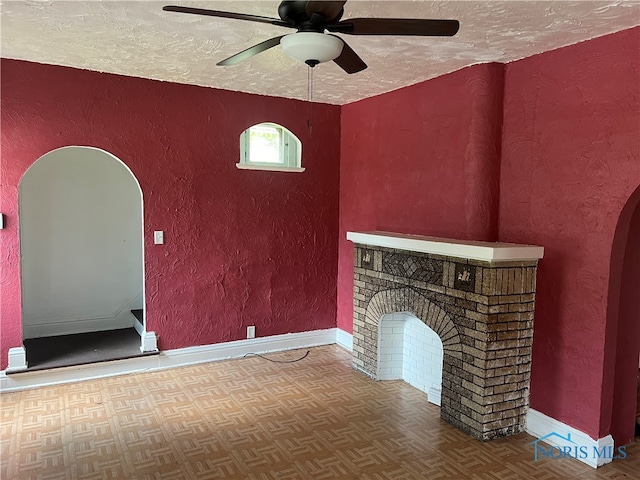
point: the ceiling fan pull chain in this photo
(310, 96)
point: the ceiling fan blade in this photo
(331, 10)
(218, 13)
(349, 60)
(396, 26)
(250, 52)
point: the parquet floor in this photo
(254, 419)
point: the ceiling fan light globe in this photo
(311, 46)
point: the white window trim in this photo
(268, 167)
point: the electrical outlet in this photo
(251, 331)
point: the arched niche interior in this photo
(623, 316)
(81, 241)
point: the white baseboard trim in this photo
(166, 359)
(573, 442)
(17, 360)
(344, 339)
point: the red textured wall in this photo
(571, 159)
(424, 160)
(241, 247)
(413, 161)
(427, 159)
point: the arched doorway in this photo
(81, 241)
(624, 315)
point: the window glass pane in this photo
(264, 142)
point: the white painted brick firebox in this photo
(411, 351)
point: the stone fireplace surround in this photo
(477, 296)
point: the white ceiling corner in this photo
(137, 38)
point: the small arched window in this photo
(269, 146)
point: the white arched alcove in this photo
(81, 241)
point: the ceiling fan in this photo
(311, 45)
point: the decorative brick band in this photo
(483, 313)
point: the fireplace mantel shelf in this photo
(485, 251)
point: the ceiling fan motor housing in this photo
(311, 47)
(301, 15)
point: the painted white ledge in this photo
(17, 360)
(148, 342)
(268, 168)
(486, 251)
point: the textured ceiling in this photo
(137, 38)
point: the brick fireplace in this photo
(478, 298)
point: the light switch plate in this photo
(158, 237)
